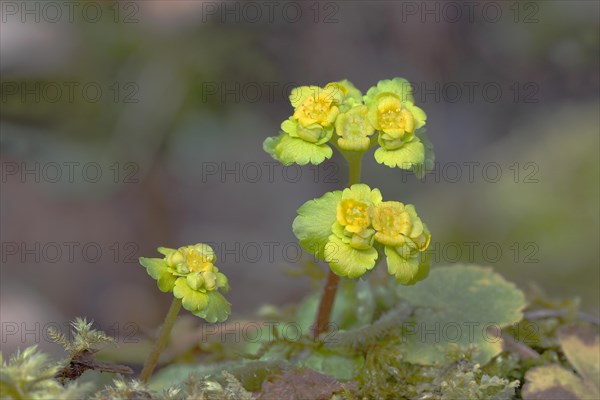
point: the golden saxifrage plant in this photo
(349, 229)
(353, 228)
(190, 274)
(464, 332)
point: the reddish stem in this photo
(322, 323)
(326, 305)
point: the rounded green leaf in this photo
(406, 157)
(157, 269)
(291, 150)
(154, 266)
(405, 270)
(347, 261)
(313, 224)
(217, 309)
(192, 300)
(456, 306)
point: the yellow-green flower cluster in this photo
(338, 114)
(190, 273)
(349, 228)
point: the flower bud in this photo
(195, 280)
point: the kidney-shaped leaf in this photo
(456, 306)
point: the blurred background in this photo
(131, 125)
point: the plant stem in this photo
(327, 299)
(326, 304)
(354, 168)
(162, 340)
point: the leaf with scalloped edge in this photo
(217, 309)
(455, 306)
(313, 224)
(157, 269)
(405, 157)
(292, 150)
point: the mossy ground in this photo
(551, 349)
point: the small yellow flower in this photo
(397, 225)
(353, 215)
(349, 229)
(354, 129)
(393, 118)
(392, 223)
(197, 258)
(198, 262)
(318, 108)
(190, 273)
